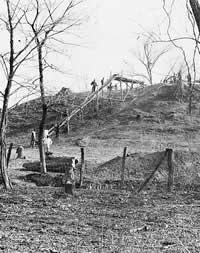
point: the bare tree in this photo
(47, 26)
(148, 57)
(11, 61)
(194, 18)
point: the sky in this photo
(111, 34)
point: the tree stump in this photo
(69, 188)
(69, 178)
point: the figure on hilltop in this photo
(94, 85)
(102, 81)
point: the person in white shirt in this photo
(46, 133)
(48, 142)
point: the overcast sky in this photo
(110, 35)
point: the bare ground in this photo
(45, 219)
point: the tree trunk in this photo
(9, 154)
(196, 11)
(195, 6)
(44, 112)
(41, 140)
(149, 71)
(3, 149)
(190, 94)
(3, 164)
(3, 124)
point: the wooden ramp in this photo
(88, 99)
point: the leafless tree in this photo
(148, 57)
(193, 9)
(49, 22)
(11, 62)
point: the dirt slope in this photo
(158, 101)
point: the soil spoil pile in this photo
(140, 165)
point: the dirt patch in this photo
(47, 220)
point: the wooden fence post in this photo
(9, 153)
(170, 169)
(82, 168)
(123, 166)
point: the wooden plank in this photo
(152, 173)
(128, 80)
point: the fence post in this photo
(82, 168)
(170, 169)
(123, 166)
